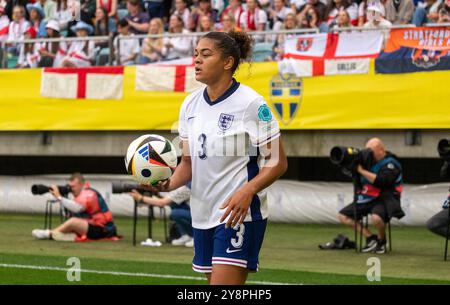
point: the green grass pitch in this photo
(289, 255)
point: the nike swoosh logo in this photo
(191, 117)
(232, 251)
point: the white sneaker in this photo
(181, 241)
(190, 244)
(41, 234)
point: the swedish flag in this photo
(285, 96)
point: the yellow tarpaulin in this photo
(369, 101)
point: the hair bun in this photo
(244, 42)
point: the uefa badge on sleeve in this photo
(264, 113)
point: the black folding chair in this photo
(49, 213)
(150, 217)
(365, 223)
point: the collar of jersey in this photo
(224, 96)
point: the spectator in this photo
(444, 12)
(17, 28)
(103, 24)
(154, 8)
(204, 9)
(63, 14)
(296, 4)
(343, 20)
(206, 24)
(138, 21)
(87, 15)
(218, 6)
(182, 10)
(363, 7)
(399, 11)
(129, 48)
(336, 6)
(52, 53)
(80, 53)
(4, 22)
(49, 7)
(375, 19)
(178, 200)
(180, 46)
(152, 48)
(253, 18)
(110, 6)
(320, 10)
(90, 219)
(265, 4)
(235, 9)
(427, 14)
(290, 23)
(277, 14)
(88, 8)
(312, 20)
(28, 54)
(36, 19)
(228, 24)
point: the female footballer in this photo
(231, 152)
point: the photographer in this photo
(178, 200)
(439, 222)
(90, 219)
(378, 194)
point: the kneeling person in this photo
(90, 214)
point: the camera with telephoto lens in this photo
(349, 157)
(443, 149)
(39, 189)
(127, 187)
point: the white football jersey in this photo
(223, 138)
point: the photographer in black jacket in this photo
(438, 223)
(378, 194)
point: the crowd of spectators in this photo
(21, 19)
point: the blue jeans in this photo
(420, 16)
(181, 214)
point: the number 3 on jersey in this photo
(237, 242)
(202, 151)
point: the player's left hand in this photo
(237, 207)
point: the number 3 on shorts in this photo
(238, 241)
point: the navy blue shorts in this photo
(238, 247)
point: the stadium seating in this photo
(262, 51)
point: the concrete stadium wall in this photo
(298, 143)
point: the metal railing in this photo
(5, 44)
(269, 36)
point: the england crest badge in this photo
(225, 121)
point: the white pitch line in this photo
(167, 276)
